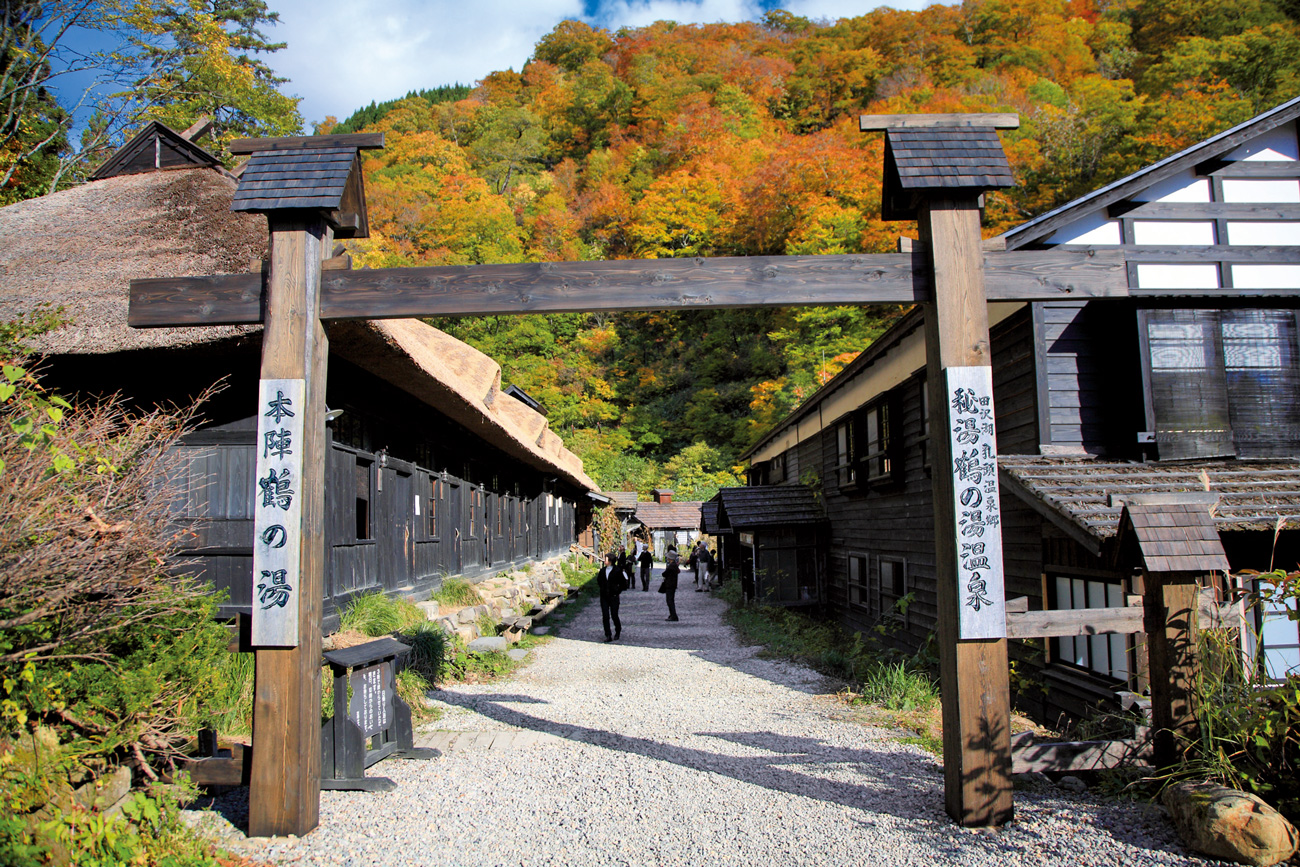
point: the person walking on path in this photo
(647, 560)
(707, 566)
(625, 562)
(669, 585)
(611, 581)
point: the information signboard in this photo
(976, 504)
(277, 512)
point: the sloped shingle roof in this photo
(669, 516)
(1085, 496)
(769, 506)
(1173, 537)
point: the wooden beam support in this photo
(361, 140)
(284, 787)
(632, 284)
(882, 122)
(974, 673)
(1081, 621)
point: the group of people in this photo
(616, 576)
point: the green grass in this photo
(232, 705)
(899, 686)
(377, 614)
(456, 592)
(581, 577)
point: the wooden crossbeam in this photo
(360, 140)
(632, 284)
(878, 122)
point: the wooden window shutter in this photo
(1189, 394)
(1259, 359)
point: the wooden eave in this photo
(327, 179)
(932, 160)
(1198, 155)
(118, 163)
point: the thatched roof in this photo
(80, 249)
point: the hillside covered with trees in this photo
(741, 139)
(679, 140)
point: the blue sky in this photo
(342, 55)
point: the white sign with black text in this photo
(976, 506)
(277, 512)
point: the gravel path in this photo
(677, 746)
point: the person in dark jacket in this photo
(669, 587)
(647, 560)
(610, 581)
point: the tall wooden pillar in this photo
(1170, 607)
(284, 788)
(974, 674)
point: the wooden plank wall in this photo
(893, 521)
(1014, 384)
(399, 553)
(1090, 401)
(897, 521)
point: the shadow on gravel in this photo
(883, 787)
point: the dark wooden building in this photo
(774, 536)
(434, 469)
(1097, 402)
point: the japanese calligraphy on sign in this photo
(277, 512)
(372, 698)
(976, 505)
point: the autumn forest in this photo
(742, 139)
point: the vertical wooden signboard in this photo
(972, 438)
(277, 523)
(284, 785)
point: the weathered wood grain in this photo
(362, 140)
(639, 284)
(284, 786)
(877, 122)
(974, 674)
(1081, 621)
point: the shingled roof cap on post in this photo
(317, 173)
(939, 152)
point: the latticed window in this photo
(859, 589)
(846, 469)
(1223, 382)
(1103, 654)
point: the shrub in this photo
(106, 654)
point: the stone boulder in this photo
(487, 644)
(1230, 825)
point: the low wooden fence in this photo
(1026, 754)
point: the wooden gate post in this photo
(973, 673)
(284, 787)
(1170, 618)
(937, 168)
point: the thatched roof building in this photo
(80, 248)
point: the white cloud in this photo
(341, 56)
